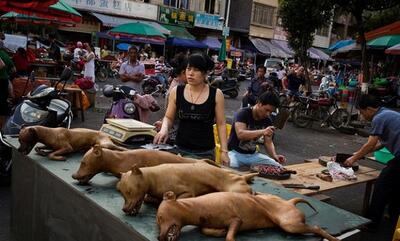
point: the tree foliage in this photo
(376, 19)
(300, 19)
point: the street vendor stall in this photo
(49, 205)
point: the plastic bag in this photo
(340, 173)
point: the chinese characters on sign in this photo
(208, 21)
(118, 7)
(177, 16)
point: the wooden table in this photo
(307, 174)
(75, 94)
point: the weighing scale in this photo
(128, 131)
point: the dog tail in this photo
(249, 177)
(294, 201)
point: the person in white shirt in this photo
(131, 71)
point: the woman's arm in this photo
(221, 125)
(168, 120)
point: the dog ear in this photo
(135, 170)
(170, 195)
(32, 132)
(97, 150)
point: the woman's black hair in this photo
(200, 61)
(179, 64)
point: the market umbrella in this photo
(57, 11)
(384, 41)
(137, 29)
(395, 50)
(123, 46)
(222, 51)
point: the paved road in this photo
(297, 144)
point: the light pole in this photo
(225, 33)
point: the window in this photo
(209, 6)
(324, 31)
(263, 14)
(177, 3)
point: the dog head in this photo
(133, 188)
(168, 226)
(27, 139)
(90, 165)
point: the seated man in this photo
(250, 124)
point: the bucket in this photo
(383, 155)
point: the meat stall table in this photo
(47, 204)
(307, 174)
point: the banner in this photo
(176, 16)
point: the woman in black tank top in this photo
(197, 106)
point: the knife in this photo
(302, 186)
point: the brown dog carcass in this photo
(99, 159)
(225, 213)
(61, 141)
(186, 180)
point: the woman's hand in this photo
(225, 158)
(161, 137)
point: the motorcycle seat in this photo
(62, 107)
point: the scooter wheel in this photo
(101, 75)
(233, 94)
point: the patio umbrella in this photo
(57, 11)
(123, 46)
(137, 29)
(222, 51)
(395, 50)
(384, 41)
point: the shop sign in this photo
(176, 16)
(118, 7)
(208, 21)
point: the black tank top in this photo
(195, 131)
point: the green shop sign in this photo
(177, 16)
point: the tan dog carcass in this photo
(99, 159)
(225, 213)
(186, 180)
(61, 140)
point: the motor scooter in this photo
(123, 105)
(42, 106)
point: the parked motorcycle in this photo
(322, 108)
(123, 105)
(228, 86)
(245, 73)
(42, 106)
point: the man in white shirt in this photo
(132, 72)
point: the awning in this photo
(112, 21)
(284, 45)
(188, 43)
(215, 44)
(266, 47)
(178, 32)
(125, 39)
(341, 43)
(315, 53)
(212, 42)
